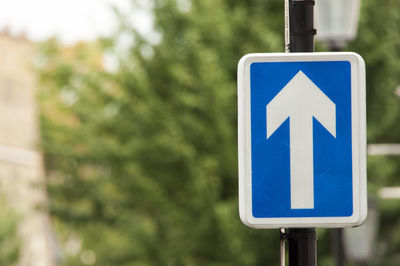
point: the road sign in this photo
(302, 140)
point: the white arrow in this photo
(301, 100)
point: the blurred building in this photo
(21, 167)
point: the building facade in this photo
(22, 176)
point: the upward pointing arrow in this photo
(301, 100)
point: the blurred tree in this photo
(379, 44)
(9, 240)
(142, 160)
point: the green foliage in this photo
(9, 240)
(142, 161)
(379, 44)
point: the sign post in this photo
(302, 138)
(302, 242)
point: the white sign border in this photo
(358, 120)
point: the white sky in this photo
(70, 20)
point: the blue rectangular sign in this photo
(302, 140)
(332, 171)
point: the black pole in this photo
(302, 247)
(301, 25)
(302, 242)
(338, 247)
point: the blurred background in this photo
(118, 140)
